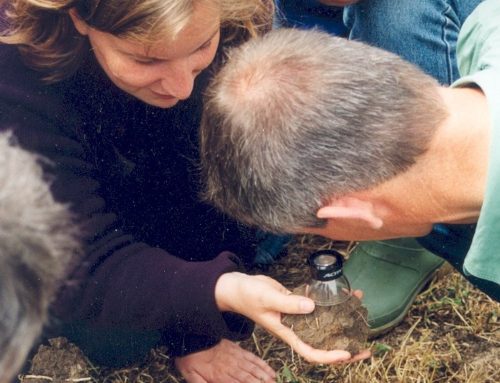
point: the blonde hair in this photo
(49, 42)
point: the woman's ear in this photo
(351, 208)
(81, 26)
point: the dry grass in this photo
(451, 335)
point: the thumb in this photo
(287, 303)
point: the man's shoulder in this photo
(485, 13)
(480, 33)
(478, 47)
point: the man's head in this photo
(298, 118)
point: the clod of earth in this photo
(340, 327)
(60, 362)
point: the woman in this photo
(110, 92)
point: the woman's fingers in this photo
(307, 352)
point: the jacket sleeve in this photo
(119, 282)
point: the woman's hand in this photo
(262, 299)
(226, 362)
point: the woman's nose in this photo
(179, 80)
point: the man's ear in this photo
(81, 26)
(351, 208)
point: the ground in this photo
(451, 335)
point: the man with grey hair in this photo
(37, 239)
(304, 132)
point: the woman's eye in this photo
(144, 61)
(206, 45)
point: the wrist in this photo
(226, 289)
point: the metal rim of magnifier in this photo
(327, 271)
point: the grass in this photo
(451, 335)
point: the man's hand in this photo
(224, 363)
(262, 299)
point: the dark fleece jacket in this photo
(153, 251)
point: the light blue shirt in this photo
(478, 54)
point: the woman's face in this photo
(165, 73)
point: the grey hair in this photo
(296, 118)
(37, 239)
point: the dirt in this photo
(451, 335)
(59, 362)
(340, 327)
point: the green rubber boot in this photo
(390, 274)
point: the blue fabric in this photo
(452, 242)
(270, 247)
(307, 14)
(423, 32)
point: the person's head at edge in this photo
(37, 239)
(151, 49)
(305, 132)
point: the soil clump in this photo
(59, 362)
(343, 326)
